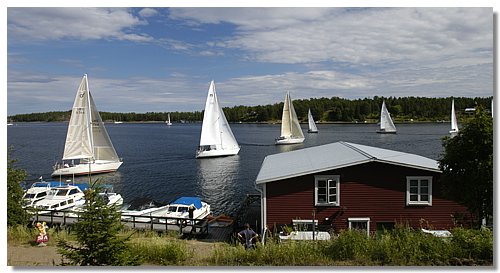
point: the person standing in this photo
(248, 234)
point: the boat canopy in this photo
(45, 184)
(188, 201)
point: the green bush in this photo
(472, 243)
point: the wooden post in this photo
(314, 221)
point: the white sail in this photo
(168, 120)
(87, 139)
(312, 125)
(79, 137)
(454, 124)
(291, 132)
(386, 124)
(216, 139)
(102, 147)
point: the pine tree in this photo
(97, 233)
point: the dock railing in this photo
(158, 223)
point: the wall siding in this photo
(374, 190)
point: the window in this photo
(419, 190)
(327, 190)
(361, 224)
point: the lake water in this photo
(159, 161)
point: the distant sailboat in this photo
(386, 124)
(291, 133)
(312, 125)
(168, 121)
(88, 148)
(216, 139)
(454, 124)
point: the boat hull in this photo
(83, 169)
(217, 153)
(386, 132)
(287, 141)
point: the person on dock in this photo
(249, 235)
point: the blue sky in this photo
(162, 59)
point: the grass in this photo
(398, 247)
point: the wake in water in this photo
(255, 144)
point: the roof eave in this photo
(348, 165)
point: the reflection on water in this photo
(289, 147)
(159, 161)
(218, 182)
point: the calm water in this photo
(159, 161)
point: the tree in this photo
(467, 165)
(97, 233)
(16, 215)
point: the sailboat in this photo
(88, 148)
(216, 139)
(386, 124)
(168, 120)
(454, 124)
(312, 125)
(291, 133)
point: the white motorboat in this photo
(106, 193)
(37, 192)
(62, 198)
(291, 133)
(133, 211)
(88, 148)
(180, 209)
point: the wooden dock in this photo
(199, 228)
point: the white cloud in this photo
(148, 12)
(40, 24)
(359, 36)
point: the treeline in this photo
(323, 109)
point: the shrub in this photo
(472, 243)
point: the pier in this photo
(199, 228)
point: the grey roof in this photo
(334, 156)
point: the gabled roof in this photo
(335, 156)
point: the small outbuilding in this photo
(351, 186)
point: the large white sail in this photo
(454, 123)
(103, 148)
(79, 137)
(87, 140)
(216, 139)
(291, 132)
(312, 124)
(386, 124)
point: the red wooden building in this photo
(345, 185)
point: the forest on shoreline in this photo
(335, 109)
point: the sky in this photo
(163, 59)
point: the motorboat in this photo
(37, 192)
(180, 209)
(62, 198)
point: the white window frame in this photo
(360, 219)
(335, 178)
(418, 202)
